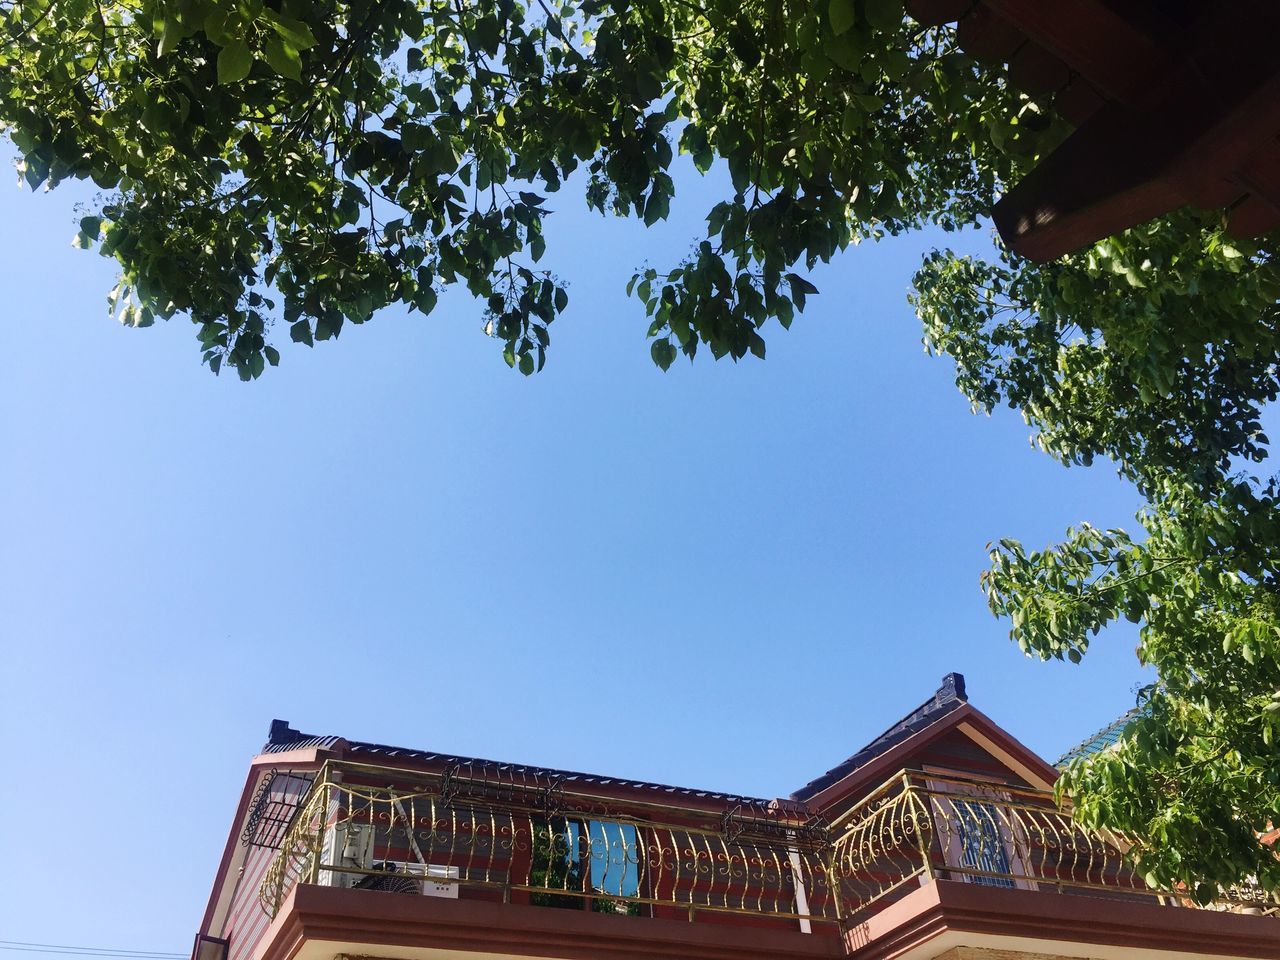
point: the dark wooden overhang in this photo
(1175, 103)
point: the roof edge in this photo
(283, 738)
(950, 696)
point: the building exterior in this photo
(1174, 103)
(939, 839)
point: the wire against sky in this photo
(22, 946)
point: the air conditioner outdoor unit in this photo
(435, 878)
(351, 845)
(346, 845)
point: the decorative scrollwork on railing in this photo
(994, 834)
(544, 844)
(547, 845)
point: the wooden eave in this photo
(1175, 104)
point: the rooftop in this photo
(949, 696)
(1104, 738)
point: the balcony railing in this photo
(924, 826)
(378, 829)
(454, 835)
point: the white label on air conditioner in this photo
(429, 870)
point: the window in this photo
(979, 830)
(982, 844)
(585, 858)
(614, 852)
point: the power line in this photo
(96, 953)
(21, 946)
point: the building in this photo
(1174, 103)
(939, 839)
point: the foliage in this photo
(555, 865)
(303, 163)
(560, 860)
(312, 161)
(1156, 349)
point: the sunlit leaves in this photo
(283, 58)
(1157, 350)
(293, 32)
(343, 157)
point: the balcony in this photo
(483, 838)
(455, 837)
(923, 827)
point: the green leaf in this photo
(300, 332)
(843, 15)
(296, 33)
(800, 289)
(273, 355)
(169, 38)
(884, 14)
(425, 299)
(234, 62)
(663, 353)
(90, 230)
(283, 58)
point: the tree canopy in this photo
(1158, 351)
(273, 165)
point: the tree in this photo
(1157, 350)
(316, 161)
(304, 164)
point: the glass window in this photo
(615, 858)
(982, 845)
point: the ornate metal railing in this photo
(386, 829)
(924, 826)
(544, 843)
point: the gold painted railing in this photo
(544, 844)
(374, 828)
(924, 826)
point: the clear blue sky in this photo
(725, 576)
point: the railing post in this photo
(921, 841)
(317, 845)
(833, 883)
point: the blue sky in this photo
(725, 576)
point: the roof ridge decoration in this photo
(950, 696)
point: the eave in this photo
(970, 721)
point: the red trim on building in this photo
(946, 905)
(370, 918)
